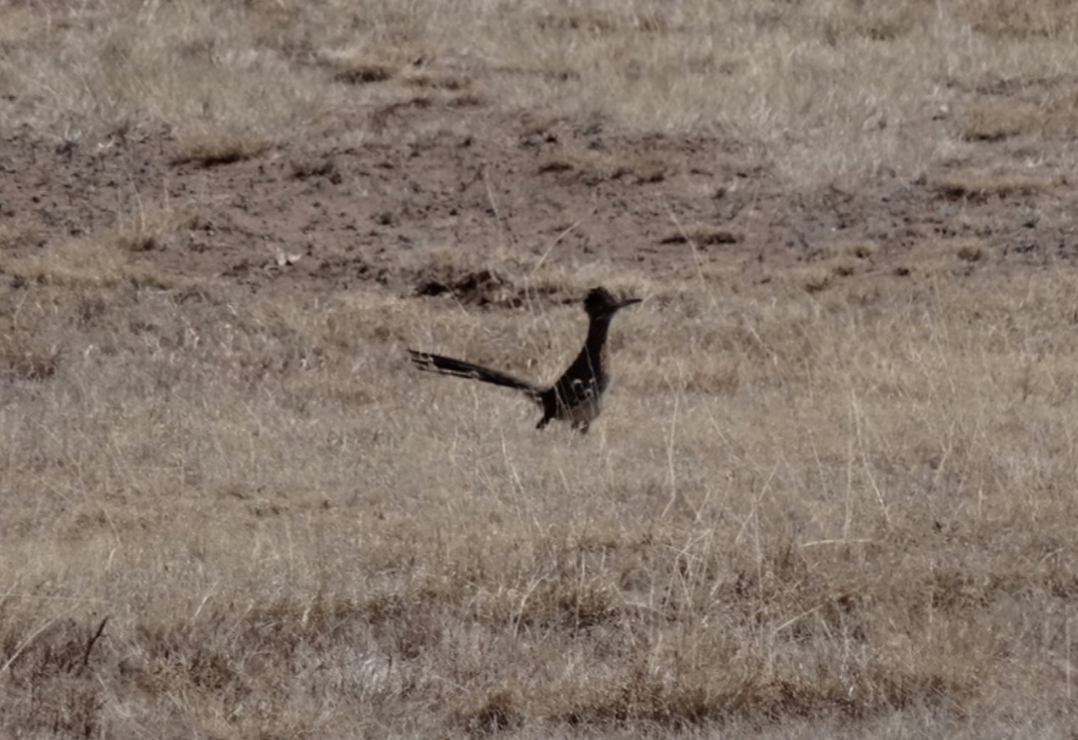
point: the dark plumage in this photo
(576, 396)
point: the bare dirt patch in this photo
(304, 218)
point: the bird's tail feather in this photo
(461, 369)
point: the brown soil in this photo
(297, 218)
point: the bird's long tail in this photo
(461, 369)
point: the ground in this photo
(831, 494)
(564, 192)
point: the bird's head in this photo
(599, 303)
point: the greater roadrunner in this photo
(577, 395)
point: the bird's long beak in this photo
(627, 302)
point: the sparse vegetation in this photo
(212, 146)
(832, 493)
(980, 183)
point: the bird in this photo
(575, 397)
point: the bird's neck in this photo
(598, 328)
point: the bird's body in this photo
(576, 397)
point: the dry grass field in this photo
(833, 494)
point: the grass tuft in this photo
(210, 146)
